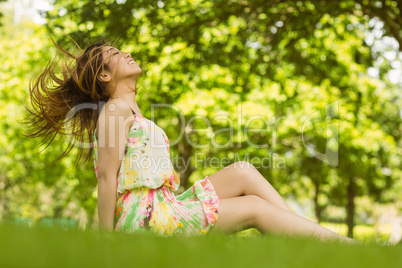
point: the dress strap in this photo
(134, 113)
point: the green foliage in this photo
(282, 61)
(31, 184)
(270, 65)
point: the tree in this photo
(30, 186)
(276, 49)
(282, 63)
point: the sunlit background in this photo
(282, 63)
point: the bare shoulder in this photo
(115, 108)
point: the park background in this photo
(286, 61)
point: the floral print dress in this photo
(145, 184)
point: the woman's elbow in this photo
(106, 177)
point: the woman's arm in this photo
(113, 127)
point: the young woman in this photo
(135, 188)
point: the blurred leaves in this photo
(270, 65)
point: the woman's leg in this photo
(243, 212)
(242, 178)
(248, 200)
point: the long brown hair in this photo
(69, 105)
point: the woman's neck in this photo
(128, 97)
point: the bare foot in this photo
(352, 241)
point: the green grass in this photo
(21, 246)
(363, 233)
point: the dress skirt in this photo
(193, 212)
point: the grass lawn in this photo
(22, 246)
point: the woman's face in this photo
(121, 65)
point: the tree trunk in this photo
(317, 207)
(350, 208)
(185, 168)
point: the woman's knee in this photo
(242, 166)
(245, 172)
(237, 175)
(257, 206)
(239, 212)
